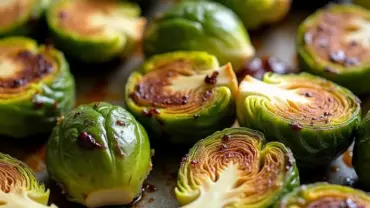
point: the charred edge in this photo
(225, 138)
(87, 141)
(150, 112)
(296, 126)
(76, 114)
(211, 79)
(36, 67)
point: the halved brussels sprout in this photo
(95, 30)
(18, 17)
(200, 26)
(235, 168)
(19, 188)
(334, 43)
(361, 154)
(325, 195)
(256, 13)
(314, 117)
(36, 87)
(100, 155)
(182, 96)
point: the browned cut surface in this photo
(9, 177)
(335, 202)
(153, 89)
(11, 12)
(30, 67)
(75, 16)
(327, 39)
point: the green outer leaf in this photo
(82, 172)
(300, 197)
(28, 180)
(88, 49)
(187, 189)
(18, 116)
(184, 128)
(200, 26)
(361, 153)
(24, 26)
(312, 146)
(353, 78)
(255, 13)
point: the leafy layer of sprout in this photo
(235, 168)
(320, 114)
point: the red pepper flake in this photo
(207, 94)
(120, 123)
(212, 79)
(87, 141)
(194, 162)
(225, 138)
(307, 94)
(62, 14)
(296, 126)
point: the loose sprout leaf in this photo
(320, 114)
(324, 195)
(235, 168)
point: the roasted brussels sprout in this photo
(314, 117)
(325, 195)
(36, 87)
(182, 96)
(334, 43)
(255, 13)
(361, 156)
(235, 168)
(95, 30)
(20, 17)
(200, 26)
(100, 155)
(19, 187)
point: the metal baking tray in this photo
(106, 83)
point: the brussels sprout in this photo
(95, 30)
(100, 155)
(334, 43)
(324, 195)
(36, 87)
(314, 117)
(182, 96)
(235, 168)
(200, 26)
(19, 187)
(255, 13)
(361, 156)
(18, 17)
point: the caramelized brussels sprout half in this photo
(182, 96)
(36, 87)
(235, 168)
(256, 13)
(334, 43)
(325, 195)
(95, 30)
(361, 154)
(100, 155)
(20, 17)
(314, 117)
(200, 26)
(19, 188)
